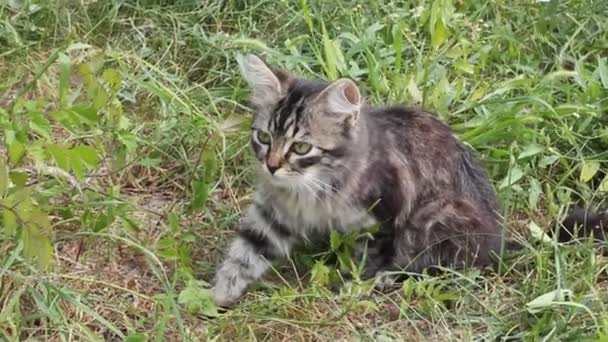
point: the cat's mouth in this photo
(283, 178)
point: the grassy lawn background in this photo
(126, 164)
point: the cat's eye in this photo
(263, 137)
(301, 147)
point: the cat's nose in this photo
(272, 168)
(274, 162)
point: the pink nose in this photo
(272, 168)
(274, 162)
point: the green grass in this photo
(125, 133)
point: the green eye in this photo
(301, 147)
(263, 137)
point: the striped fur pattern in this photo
(327, 161)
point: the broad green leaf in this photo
(320, 273)
(64, 118)
(148, 162)
(210, 166)
(102, 221)
(40, 219)
(188, 237)
(21, 197)
(515, 175)
(19, 179)
(9, 221)
(335, 240)
(547, 300)
(123, 123)
(113, 78)
(16, 151)
(87, 154)
(3, 177)
(534, 193)
(76, 165)
(440, 10)
(344, 257)
(100, 99)
(465, 66)
(136, 337)
(43, 250)
(531, 150)
(60, 155)
(36, 152)
(9, 136)
(414, 91)
(167, 248)
(588, 170)
(86, 114)
(130, 224)
(129, 140)
(85, 71)
(36, 245)
(40, 124)
(173, 222)
(200, 191)
(479, 92)
(197, 299)
(548, 160)
(604, 184)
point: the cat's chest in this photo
(313, 212)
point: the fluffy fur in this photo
(328, 161)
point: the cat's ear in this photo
(267, 84)
(341, 98)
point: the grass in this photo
(125, 134)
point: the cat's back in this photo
(412, 130)
(428, 149)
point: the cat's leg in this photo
(376, 253)
(260, 240)
(451, 232)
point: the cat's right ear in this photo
(267, 85)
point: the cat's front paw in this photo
(227, 290)
(384, 281)
(224, 298)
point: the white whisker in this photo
(311, 190)
(324, 187)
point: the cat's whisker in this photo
(324, 184)
(326, 189)
(309, 187)
(319, 187)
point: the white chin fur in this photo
(284, 179)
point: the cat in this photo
(329, 161)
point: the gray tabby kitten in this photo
(328, 161)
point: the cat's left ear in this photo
(341, 98)
(267, 84)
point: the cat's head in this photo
(301, 129)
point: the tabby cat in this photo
(329, 161)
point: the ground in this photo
(125, 164)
